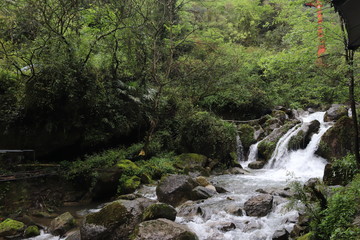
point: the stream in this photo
(213, 222)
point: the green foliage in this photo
(205, 134)
(336, 220)
(346, 167)
(246, 133)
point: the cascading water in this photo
(284, 166)
(239, 150)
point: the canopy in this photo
(349, 10)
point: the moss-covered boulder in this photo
(11, 228)
(128, 184)
(193, 162)
(280, 115)
(206, 134)
(337, 142)
(257, 164)
(303, 137)
(159, 210)
(267, 146)
(247, 135)
(163, 229)
(175, 189)
(335, 112)
(117, 220)
(62, 224)
(32, 231)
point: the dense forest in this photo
(86, 83)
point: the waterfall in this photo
(302, 163)
(239, 150)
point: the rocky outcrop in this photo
(257, 164)
(259, 206)
(337, 142)
(200, 192)
(175, 189)
(303, 137)
(62, 224)
(159, 210)
(11, 228)
(163, 229)
(117, 220)
(335, 112)
(247, 135)
(282, 234)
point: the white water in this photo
(283, 168)
(239, 150)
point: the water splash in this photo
(239, 150)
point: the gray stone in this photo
(163, 229)
(202, 193)
(258, 206)
(62, 224)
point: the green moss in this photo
(190, 160)
(32, 231)
(246, 133)
(266, 149)
(305, 237)
(128, 184)
(112, 214)
(11, 227)
(159, 210)
(296, 142)
(127, 166)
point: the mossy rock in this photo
(159, 210)
(297, 141)
(11, 227)
(246, 133)
(305, 237)
(337, 142)
(129, 184)
(62, 224)
(127, 166)
(111, 214)
(281, 115)
(190, 160)
(266, 149)
(32, 231)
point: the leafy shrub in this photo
(336, 220)
(346, 167)
(205, 134)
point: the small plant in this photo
(345, 167)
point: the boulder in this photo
(259, 206)
(234, 209)
(227, 227)
(202, 181)
(62, 224)
(117, 220)
(163, 229)
(281, 235)
(200, 192)
(106, 184)
(11, 228)
(31, 231)
(303, 137)
(159, 210)
(73, 235)
(220, 189)
(247, 135)
(257, 164)
(237, 170)
(337, 142)
(175, 189)
(335, 112)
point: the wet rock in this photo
(234, 209)
(175, 189)
(220, 189)
(211, 187)
(11, 228)
(202, 193)
(260, 190)
(280, 115)
(189, 209)
(297, 231)
(335, 112)
(62, 224)
(130, 196)
(281, 235)
(31, 231)
(159, 210)
(337, 142)
(107, 183)
(73, 235)
(257, 164)
(163, 229)
(303, 137)
(202, 181)
(237, 170)
(228, 227)
(251, 226)
(258, 206)
(117, 220)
